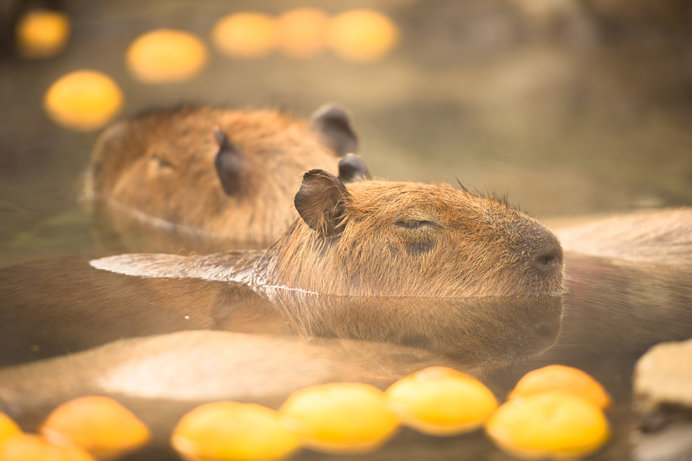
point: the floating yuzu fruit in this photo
(561, 377)
(221, 431)
(302, 32)
(98, 424)
(340, 417)
(245, 35)
(441, 401)
(362, 35)
(42, 33)
(7, 427)
(83, 100)
(166, 55)
(30, 447)
(554, 424)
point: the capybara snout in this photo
(549, 257)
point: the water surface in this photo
(586, 117)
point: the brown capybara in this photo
(217, 172)
(384, 238)
(654, 236)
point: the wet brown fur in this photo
(655, 236)
(466, 246)
(161, 166)
(472, 246)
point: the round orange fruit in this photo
(302, 32)
(561, 377)
(42, 33)
(98, 424)
(554, 424)
(441, 401)
(166, 55)
(245, 35)
(225, 431)
(362, 35)
(83, 100)
(340, 417)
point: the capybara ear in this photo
(352, 168)
(334, 128)
(321, 201)
(230, 163)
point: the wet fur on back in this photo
(657, 236)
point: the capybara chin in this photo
(385, 238)
(217, 172)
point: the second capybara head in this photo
(218, 172)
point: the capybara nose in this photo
(549, 258)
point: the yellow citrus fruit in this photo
(7, 427)
(42, 33)
(245, 35)
(340, 417)
(29, 447)
(221, 431)
(560, 377)
(99, 425)
(302, 32)
(166, 55)
(362, 35)
(555, 424)
(441, 401)
(83, 100)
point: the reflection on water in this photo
(474, 331)
(268, 343)
(623, 307)
(61, 306)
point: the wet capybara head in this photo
(395, 238)
(224, 173)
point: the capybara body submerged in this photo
(217, 172)
(645, 237)
(384, 238)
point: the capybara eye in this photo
(414, 223)
(161, 162)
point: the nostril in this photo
(546, 259)
(549, 260)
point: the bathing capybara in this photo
(654, 236)
(384, 238)
(216, 172)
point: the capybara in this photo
(654, 236)
(384, 238)
(615, 309)
(218, 172)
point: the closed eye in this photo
(161, 161)
(414, 224)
